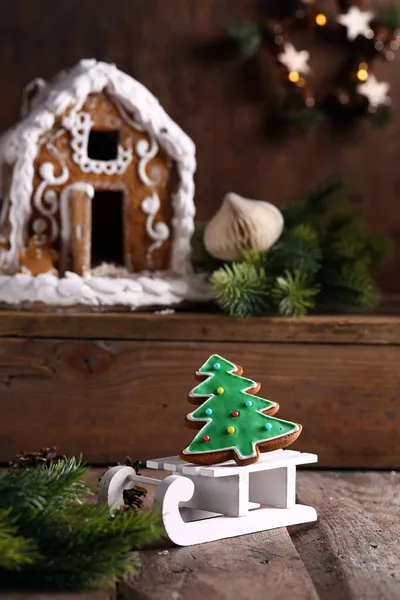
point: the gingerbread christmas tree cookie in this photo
(233, 422)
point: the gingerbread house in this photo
(96, 194)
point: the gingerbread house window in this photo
(103, 145)
(102, 181)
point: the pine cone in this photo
(134, 464)
(134, 497)
(29, 460)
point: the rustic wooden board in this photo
(258, 566)
(321, 329)
(98, 595)
(353, 551)
(108, 399)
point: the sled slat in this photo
(226, 469)
(288, 457)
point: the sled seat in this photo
(233, 490)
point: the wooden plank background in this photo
(108, 399)
(166, 45)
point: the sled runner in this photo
(203, 504)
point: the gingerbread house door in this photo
(92, 227)
(76, 228)
(107, 228)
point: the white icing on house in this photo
(158, 232)
(46, 202)
(80, 124)
(32, 89)
(150, 205)
(62, 101)
(159, 289)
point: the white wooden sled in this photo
(203, 504)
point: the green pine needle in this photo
(242, 289)
(388, 15)
(349, 288)
(260, 260)
(382, 117)
(15, 550)
(305, 119)
(294, 294)
(299, 249)
(248, 36)
(83, 547)
(379, 249)
(50, 538)
(319, 200)
(32, 489)
(315, 206)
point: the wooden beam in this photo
(204, 327)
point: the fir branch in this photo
(31, 490)
(260, 260)
(242, 289)
(15, 550)
(388, 16)
(64, 543)
(379, 249)
(294, 213)
(248, 36)
(316, 204)
(83, 547)
(294, 294)
(382, 117)
(345, 238)
(318, 200)
(350, 287)
(298, 250)
(305, 119)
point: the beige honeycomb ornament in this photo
(242, 224)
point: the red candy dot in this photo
(206, 438)
(235, 413)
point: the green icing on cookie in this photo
(232, 417)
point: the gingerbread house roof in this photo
(70, 89)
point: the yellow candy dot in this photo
(220, 390)
(230, 429)
(293, 76)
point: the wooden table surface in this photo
(351, 553)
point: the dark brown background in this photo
(159, 42)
